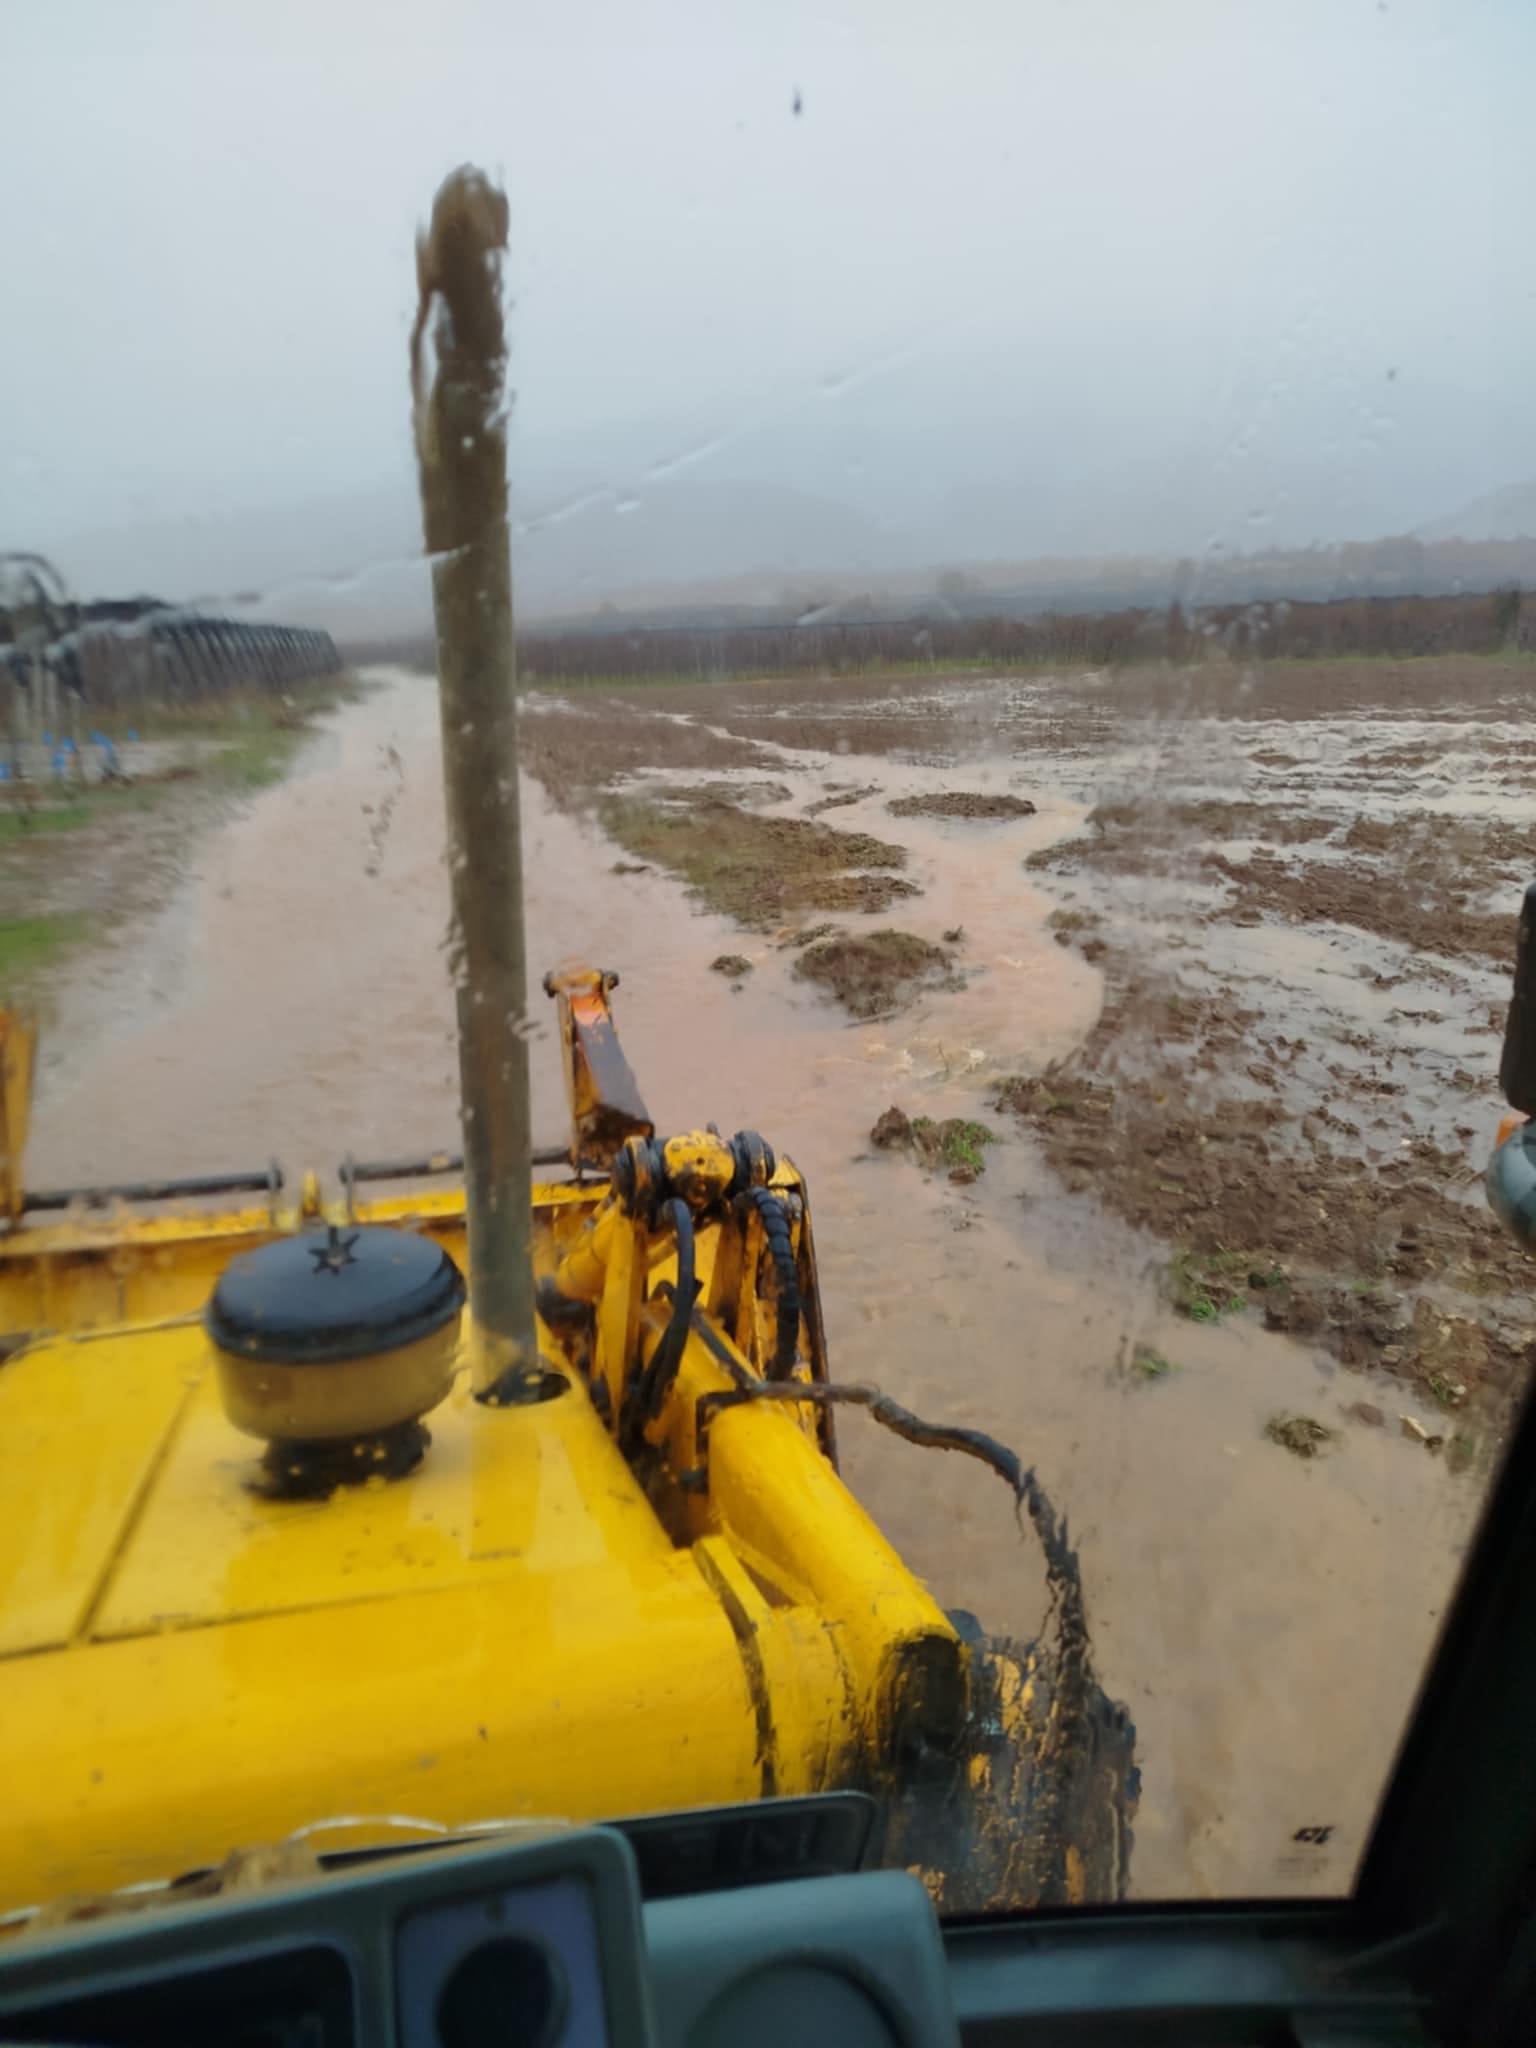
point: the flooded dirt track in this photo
(1265, 1616)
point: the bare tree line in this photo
(1404, 627)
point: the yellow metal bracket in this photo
(600, 1086)
(18, 1046)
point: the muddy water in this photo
(1266, 1620)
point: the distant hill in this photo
(693, 546)
(1507, 514)
(352, 564)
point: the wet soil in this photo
(1149, 835)
(1380, 1262)
(872, 973)
(1421, 879)
(1427, 913)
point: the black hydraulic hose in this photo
(651, 1387)
(770, 1207)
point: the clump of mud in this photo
(1078, 928)
(873, 973)
(1301, 1435)
(956, 1144)
(839, 798)
(961, 803)
(736, 966)
(759, 870)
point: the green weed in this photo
(1205, 1286)
(962, 1143)
(1148, 1363)
(258, 758)
(20, 825)
(28, 944)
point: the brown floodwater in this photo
(1266, 1621)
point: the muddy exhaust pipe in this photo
(460, 417)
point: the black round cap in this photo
(331, 1295)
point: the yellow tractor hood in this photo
(135, 1508)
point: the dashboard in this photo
(574, 1938)
(753, 1926)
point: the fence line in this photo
(168, 658)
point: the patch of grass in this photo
(96, 803)
(1461, 1452)
(956, 1143)
(249, 737)
(258, 758)
(229, 714)
(962, 1141)
(1072, 920)
(28, 944)
(758, 870)
(1205, 1286)
(1148, 1363)
(19, 824)
(687, 794)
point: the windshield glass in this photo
(1018, 533)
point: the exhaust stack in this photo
(461, 449)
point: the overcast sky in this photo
(1291, 241)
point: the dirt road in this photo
(1265, 1616)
